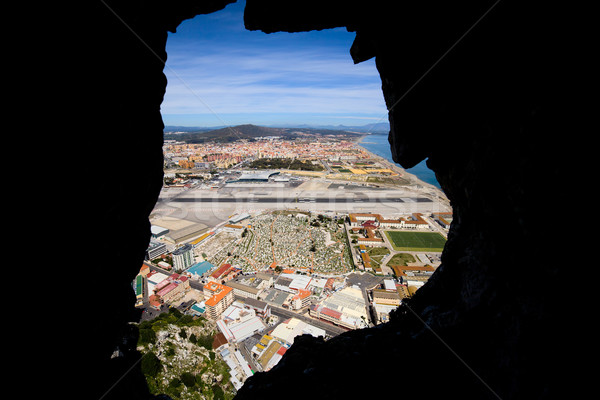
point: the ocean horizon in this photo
(378, 144)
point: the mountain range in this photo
(251, 132)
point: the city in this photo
(262, 255)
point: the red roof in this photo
(167, 289)
(221, 271)
(281, 350)
(331, 313)
(302, 294)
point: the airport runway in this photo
(214, 206)
(305, 199)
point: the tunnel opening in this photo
(488, 102)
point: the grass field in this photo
(416, 241)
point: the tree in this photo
(188, 379)
(193, 338)
(218, 392)
(147, 335)
(150, 364)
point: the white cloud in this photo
(247, 79)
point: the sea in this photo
(379, 145)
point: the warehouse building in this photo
(345, 307)
(238, 322)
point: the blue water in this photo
(379, 145)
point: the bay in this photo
(379, 145)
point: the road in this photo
(330, 329)
(359, 198)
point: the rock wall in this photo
(476, 88)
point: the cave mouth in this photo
(483, 119)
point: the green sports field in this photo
(416, 241)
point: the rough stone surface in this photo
(492, 321)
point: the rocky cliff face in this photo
(476, 88)
(472, 88)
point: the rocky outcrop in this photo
(476, 88)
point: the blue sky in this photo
(221, 74)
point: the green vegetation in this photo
(250, 132)
(387, 180)
(200, 374)
(285, 163)
(401, 259)
(377, 254)
(416, 241)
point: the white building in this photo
(183, 258)
(238, 323)
(288, 330)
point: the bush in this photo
(193, 338)
(147, 335)
(175, 382)
(188, 379)
(205, 341)
(218, 392)
(150, 364)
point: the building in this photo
(289, 329)
(345, 307)
(239, 218)
(283, 283)
(243, 291)
(291, 283)
(389, 284)
(199, 269)
(416, 221)
(261, 308)
(153, 279)
(271, 355)
(382, 296)
(251, 286)
(202, 239)
(233, 228)
(255, 177)
(183, 257)
(155, 249)
(301, 300)
(366, 261)
(139, 285)
(443, 218)
(238, 322)
(158, 231)
(225, 272)
(173, 288)
(217, 298)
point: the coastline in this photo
(414, 179)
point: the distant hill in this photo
(249, 132)
(380, 127)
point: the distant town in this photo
(333, 245)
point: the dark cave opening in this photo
(483, 118)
